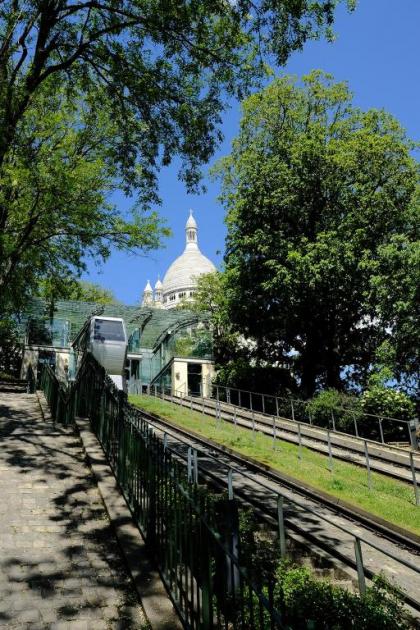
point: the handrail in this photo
(307, 402)
(357, 414)
(179, 393)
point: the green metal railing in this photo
(193, 536)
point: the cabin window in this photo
(108, 330)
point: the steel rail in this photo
(311, 441)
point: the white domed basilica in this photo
(180, 280)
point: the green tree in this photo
(56, 181)
(210, 298)
(91, 292)
(318, 196)
(79, 290)
(157, 76)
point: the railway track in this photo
(324, 524)
(396, 462)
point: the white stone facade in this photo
(180, 281)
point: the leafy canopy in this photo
(56, 183)
(322, 204)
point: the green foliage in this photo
(321, 202)
(10, 348)
(384, 401)
(52, 289)
(55, 184)
(84, 291)
(331, 402)
(196, 344)
(306, 599)
(210, 298)
(269, 380)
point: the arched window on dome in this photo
(191, 235)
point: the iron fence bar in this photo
(368, 465)
(359, 564)
(330, 457)
(281, 528)
(413, 474)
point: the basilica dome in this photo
(181, 278)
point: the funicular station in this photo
(169, 348)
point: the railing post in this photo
(412, 431)
(293, 410)
(230, 484)
(333, 419)
(330, 458)
(277, 407)
(274, 432)
(281, 528)
(189, 464)
(355, 425)
(413, 474)
(299, 441)
(368, 465)
(263, 403)
(195, 466)
(359, 565)
(381, 431)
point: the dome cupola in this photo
(180, 280)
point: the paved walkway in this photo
(60, 566)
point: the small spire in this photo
(191, 230)
(191, 222)
(148, 287)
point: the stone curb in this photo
(157, 606)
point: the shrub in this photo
(329, 403)
(383, 401)
(322, 605)
(308, 602)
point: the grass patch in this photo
(390, 499)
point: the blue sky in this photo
(377, 50)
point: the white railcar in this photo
(106, 339)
